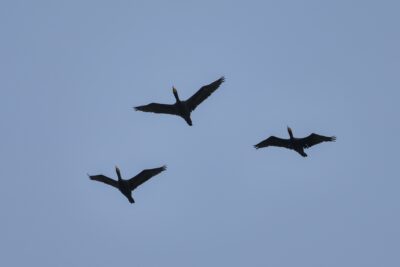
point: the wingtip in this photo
(135, 108)
(333, 138)
(256, 147)
(164, 167)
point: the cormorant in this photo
(297, 144)
(127, 186)
(183, 108)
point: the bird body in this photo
(296, 144)
(127, 186)
(123, 186)
(183, 108)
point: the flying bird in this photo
(183, 108)
(127, 186)
(296, 144)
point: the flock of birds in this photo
(184, 108)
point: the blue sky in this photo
(73, 70)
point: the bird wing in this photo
(158, 108)
(273, 141)
(203, 93)
(314, 139)
(144, 175)
(104, 179)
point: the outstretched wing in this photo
(314, 139)
(104, 179)
(273, 141)
(203, 93)
(158, 108)
(144, 176)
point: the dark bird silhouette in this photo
(297, 144)
(183, 108)
(127, 186)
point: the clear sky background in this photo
(71, 71)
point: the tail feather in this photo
(131, 200)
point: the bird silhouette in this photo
(296, 144)
(127, 186)
(183, 108)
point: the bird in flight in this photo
(296, 144)
(127, 186)
(183, 108)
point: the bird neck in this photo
(290, 133)
(176, 96)
(118, 174)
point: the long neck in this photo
(118, 174)
(176, 96)
(290, 133)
